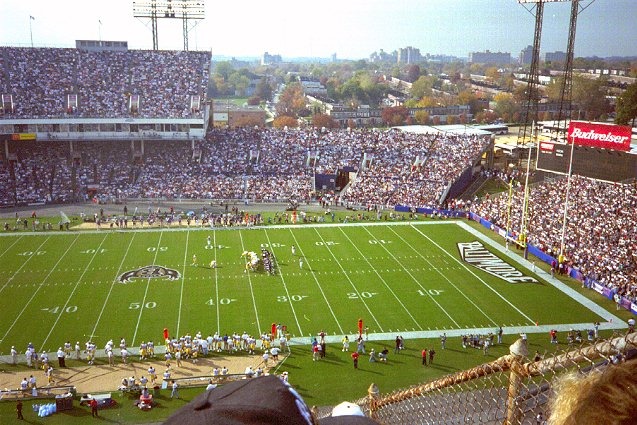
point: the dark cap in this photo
(260, 401)
(263, 400)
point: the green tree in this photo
(627, 106)
(590, 97)
(240, 82)
(422, 87)
(263, 89)
(224, 68)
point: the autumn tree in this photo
(291, 100)
(492, 74)
(395, 115)
(324, 120)
(413, 72)
(505, 105)
(285, 121)
(421, 117)
(254, 100)
(467, 97)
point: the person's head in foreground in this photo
(257, 401)
(607, 396)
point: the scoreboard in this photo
(592, 162)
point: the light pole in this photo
(568, 189)
(31, 18)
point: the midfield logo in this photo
(478, 256)
(149, 272)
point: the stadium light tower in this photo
(186, 10)
(529, 110)
(566, 90)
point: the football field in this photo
(399, 278)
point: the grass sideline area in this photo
(326, 382)
(403, 278)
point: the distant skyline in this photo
(353, 29)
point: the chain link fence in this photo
(511, 390)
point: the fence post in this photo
(374, 395)
(515, 379)
(518, 351)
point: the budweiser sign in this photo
(547, 147)
(605, 136)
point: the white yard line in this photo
(444, 277)
(381, 278)
(183, 278)
(476, 276)
(547, 277)
(254, 301)
(79, 280)
(110, 290)
(214, 241)
(418, 283)
(285, 287)
(10, 246)
(143, 303)
(23, 264)
(19, 315)
(318, 284)
(360, 297)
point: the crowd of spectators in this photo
(601, 227)
(243, 164)
(40, 81)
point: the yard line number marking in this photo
(318, 284)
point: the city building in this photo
(268, 59)
(555, 57)
(526, 55)
(488, 57)
(408, 55)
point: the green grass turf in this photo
(398, 279)
(327, 382)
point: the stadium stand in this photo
(601, 229)
(255, 165)
(40, 81)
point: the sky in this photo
(352, 29)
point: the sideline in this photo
(614, 322)
(406, 222)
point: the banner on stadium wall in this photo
(597, 287)
(633, 308)
(607, 136)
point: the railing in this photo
(41, 392)
(511, 390)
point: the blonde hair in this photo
(606, 396)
